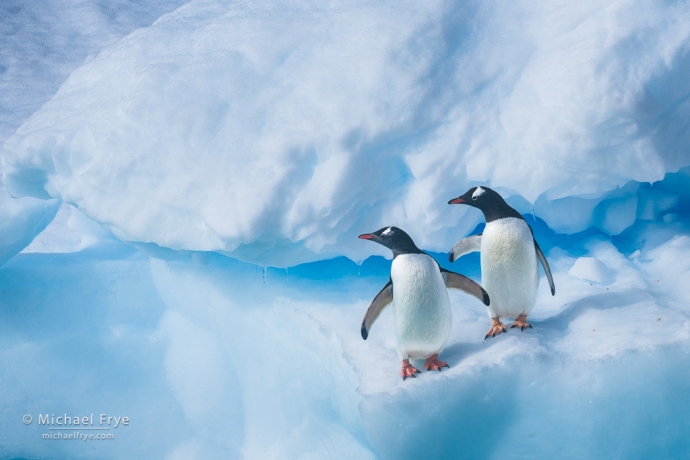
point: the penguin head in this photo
(488, 201)
(478, 197)
(394, 239)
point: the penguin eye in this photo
(477, 193)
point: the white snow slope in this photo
(179, 158)
(278, 131)
(42, 43)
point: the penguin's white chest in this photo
(509, 267)
(421, 306)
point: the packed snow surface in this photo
(277, 131)
(43, 41)
(188, 149)
(590, 269)
(212, 358)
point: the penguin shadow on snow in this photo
(455, 353)
(562, 320)
(447, 418)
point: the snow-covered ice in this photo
(210, 359)
(22, 219)
(183, 187)
(248, 126)
(590, 269)
(44, 41)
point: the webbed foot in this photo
(408, 370)
(433, 364)
(496, 328)
(521, 322)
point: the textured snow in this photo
(590, 269)
(276, 132)
(22, 219)
(213, 358)
(69, 231)
(43, 41)
(185, 151)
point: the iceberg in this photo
(223, 128)
(43, 42)
(22, 219)
(183, 188)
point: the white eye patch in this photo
(477, 193)
(386, 231)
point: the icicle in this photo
(264, 275)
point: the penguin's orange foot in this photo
(496, 328)
(408, 370)
(433, 364)
(521, 322)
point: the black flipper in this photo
(457, 281)
(381, 301)
(465, 246)
(545, 264)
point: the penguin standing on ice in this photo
(508, 258)
(421, 306)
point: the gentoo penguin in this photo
(508, 258)
(421, 306)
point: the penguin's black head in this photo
(488, 201)
(477, 197)
(394, 239)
